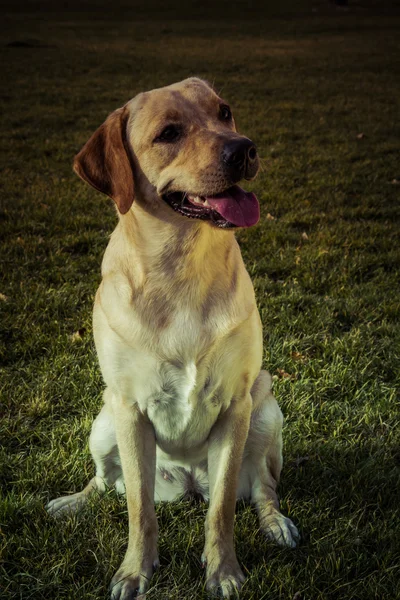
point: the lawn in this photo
(318, 91)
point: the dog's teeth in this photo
(206, 202)
(196, 199)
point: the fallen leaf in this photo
(78, 335)
(297, 596)
(360, 136)
(270, 217)
(395, 182)
(282, 373)
(44, 206)
(298, 356)
(304, 236)
(3, 297)
(297, 260)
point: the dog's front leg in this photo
(225, 451)
(137, 449)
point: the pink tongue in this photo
(237, 206)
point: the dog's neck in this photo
(177, 249)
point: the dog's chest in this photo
(181, 374)
(174, 398)
(169, 404)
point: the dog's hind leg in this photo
(262, 464)
(104, 449)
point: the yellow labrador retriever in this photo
(177, 331)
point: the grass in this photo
(318, 92)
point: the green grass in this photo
(304, 85)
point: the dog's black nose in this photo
(240, 157)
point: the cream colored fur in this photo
(179, 341)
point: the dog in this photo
(187, 408)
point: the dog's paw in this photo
(225, 587)
(126, 585)
(224, 577)
(280, 529)
(65, 505)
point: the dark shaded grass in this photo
(325, 270)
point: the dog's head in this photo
(174, 149)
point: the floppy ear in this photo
(105, 161)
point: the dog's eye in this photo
(225, 113)
(169, 134)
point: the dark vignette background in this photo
(317, 87)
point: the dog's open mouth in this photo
(232, 208)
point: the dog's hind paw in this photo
(66, 505)
(280, 529)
